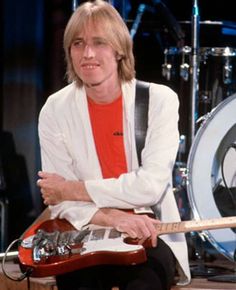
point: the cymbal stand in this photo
(74, 5)
(194, 75)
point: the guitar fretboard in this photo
(188, 226)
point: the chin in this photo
(93, 83)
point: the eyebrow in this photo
(93, 38)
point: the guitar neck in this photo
(188, 226)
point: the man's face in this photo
(93, 58)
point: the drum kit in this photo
(205, 172)
(204, 176)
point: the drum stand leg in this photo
(224, 278)
(200, 269)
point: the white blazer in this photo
(67, 148)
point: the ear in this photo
(118, 56)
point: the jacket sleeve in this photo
(56, 158)
(145, 185)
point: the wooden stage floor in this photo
(222, 265)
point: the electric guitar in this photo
(54, 247)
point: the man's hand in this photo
(135, 226)
(55, 189)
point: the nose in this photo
(88, 51)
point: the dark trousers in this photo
(157, 273)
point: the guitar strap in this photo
(141, 115)
(141, 125)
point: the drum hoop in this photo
(212, 235)
(223, 51)
(203, 51)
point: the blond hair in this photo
(102, 14)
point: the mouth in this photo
(89, 66)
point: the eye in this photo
(100, 42)
(78, 43)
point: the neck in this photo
(102, 93)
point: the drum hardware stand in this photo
(134, 28)
(200, 269)
(194, 93)
(194, 69)
(74, 5)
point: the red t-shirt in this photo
(107, 126)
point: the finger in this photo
(126, 229)
(141, 241)
(132, 234)
(154, 241)
(40, 174)
(45, 194)
(153, 233)
(119, 229)
(147, 229)
(142, 231)
(45, 201)
(38, 182)
(135, 228)
(44, 174)
(141, 226)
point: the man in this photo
(90, 167)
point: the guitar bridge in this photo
(48, 244)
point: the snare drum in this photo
(213, 139)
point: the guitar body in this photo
(55, 247)
(116, 251)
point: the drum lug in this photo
(184, 71)
(166, 67)
(166, 70)
(184, 67)
(227, 72)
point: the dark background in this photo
(32, 67)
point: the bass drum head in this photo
(213, 139)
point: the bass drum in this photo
(210, 145)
